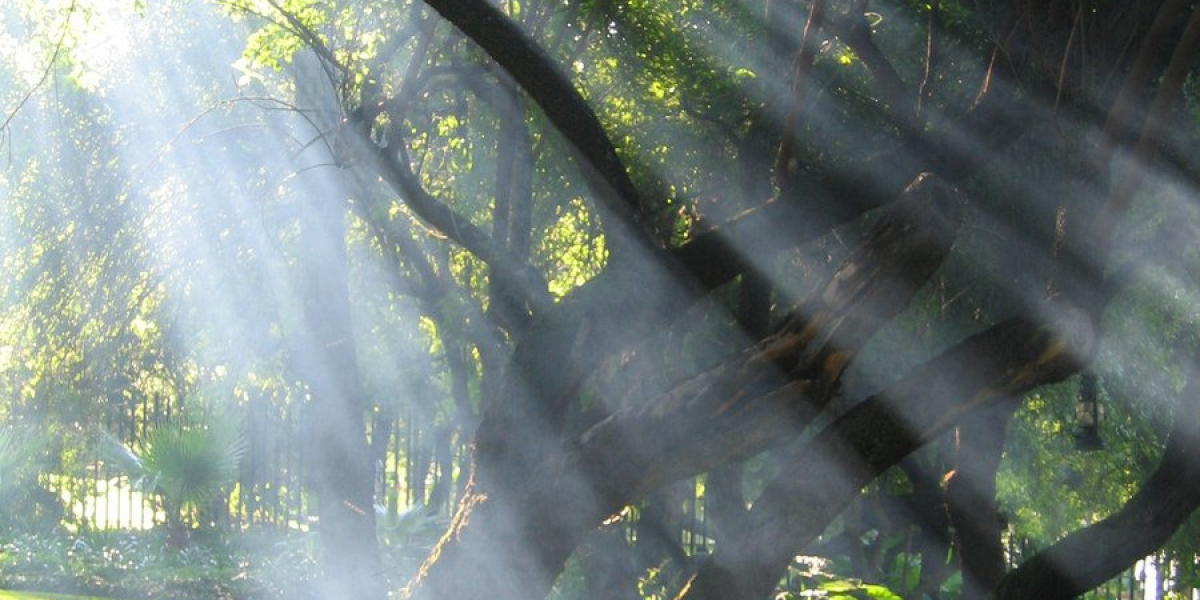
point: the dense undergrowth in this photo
(255, 564)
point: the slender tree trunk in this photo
(971, 498)
(440, 496)
(928, 506)
(342, 475)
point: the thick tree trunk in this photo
(609, 566)
(509, 539)
(534, 496)
(514, 531)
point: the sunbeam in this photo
(684, 299)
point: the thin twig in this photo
(1062, 68)
(58, 46)
(802, 71)
(926, 87)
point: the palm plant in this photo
(182, 463)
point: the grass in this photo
(18, 595)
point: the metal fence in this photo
(415, 464)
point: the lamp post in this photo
(1087, 415)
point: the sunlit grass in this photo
(21, 595)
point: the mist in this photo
(690, 300)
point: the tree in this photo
(811, 252)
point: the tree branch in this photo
(549, 87)
(457, 227)
(1073, 566)
(1121, 196)
(856, 33)
(827, 473)
(744, 406)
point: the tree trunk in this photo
(927, 504)
(342, 470)
(341, 473)
(509, 539)
(971, 498)
(513, 531)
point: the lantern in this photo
(1087, 415)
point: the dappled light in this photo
(679, 299)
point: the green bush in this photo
(128, 565)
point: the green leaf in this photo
(878, 591)
(839, 585)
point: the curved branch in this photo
(1171, 494)
(769, 393)
(550, 88)
(456, 226)
(827, 473)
